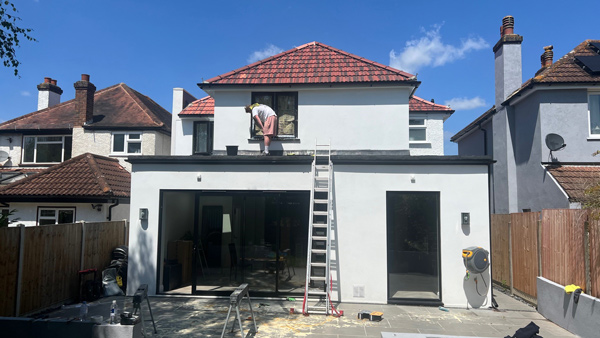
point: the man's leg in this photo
(267, 143)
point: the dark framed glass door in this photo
(413, 247)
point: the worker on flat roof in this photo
(266, 119)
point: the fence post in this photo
(539, 244)
(20, 270)
(82, 257)
(586, 249)
(510, 259)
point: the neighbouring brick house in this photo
(115, 122)
(562, 98)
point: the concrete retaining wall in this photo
(558, 306)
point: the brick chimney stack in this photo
(48, 93)
(547, 57)
(84, 100)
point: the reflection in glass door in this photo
(413, 246)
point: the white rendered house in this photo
(396, 218)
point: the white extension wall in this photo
(359, 210)
(323, 114)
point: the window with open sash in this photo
(46, 149)
(56, 216)
(417, 130)
(594, 111)
(285, 105)
(127, 143)
(203, 137)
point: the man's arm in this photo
(257, 119)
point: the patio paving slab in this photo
(178, 316)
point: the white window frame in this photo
(35, 147)
(127, 141)
(418, 127)
(589, 115)
(55, 218)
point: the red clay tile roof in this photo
(575, 179)
(418, 104)
(204, 106)
(311, 63)
(86, 176)
(565, 70)
(115, 107)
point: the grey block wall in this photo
(555, 304)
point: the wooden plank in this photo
(525, 252)
(9, 260)
(500, 249)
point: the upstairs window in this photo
(285, 105)
(46, 149)
(126, 143)
(594, 111)
(417, 131)
(56, 216)
(203, 137)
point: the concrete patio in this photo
(179, 316)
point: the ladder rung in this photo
(319, 225)
(320, 293)
(321, 189)
(319, 238)
(321, 178)
(320, 213)
(322, 166)
(318, 264)
(318, 251)
(321, 201)
(317, 278)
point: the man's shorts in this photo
(270, 126)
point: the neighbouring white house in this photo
(114, 122)
(399, 212)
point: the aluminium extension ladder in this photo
(317, 296)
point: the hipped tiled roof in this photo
(312, 63)
(84, 176)
(418, 104)
(565, 70)
(575, 179)
(117, 106)
(203, 106)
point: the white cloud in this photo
(430, 50)
(25, 93)
(270, 50)
(463, 103)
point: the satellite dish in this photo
(3, 156)
(555, 142)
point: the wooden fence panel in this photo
(500, 249)
(50, 266)
(524, 234)
(594, 228)
(100, 240)
(563, 246)
(9, 265)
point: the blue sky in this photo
(154, 46)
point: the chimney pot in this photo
(47, 80)
(547, 57)
(508, 25)
(53, 82)
(85, 77)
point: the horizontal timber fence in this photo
(562, 245)
(39, 265)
